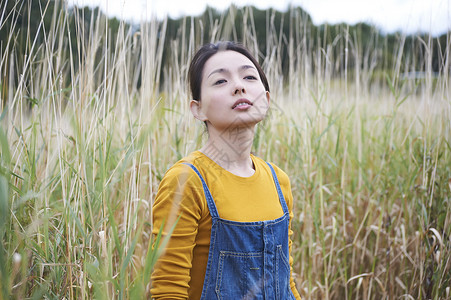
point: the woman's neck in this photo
(231, 149)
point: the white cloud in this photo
(409, 16)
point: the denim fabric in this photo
(247, 260)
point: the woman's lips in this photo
(242, 104)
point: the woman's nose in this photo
(239, 87)
(239, 90)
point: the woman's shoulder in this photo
(282, 178)
(180, 179)
(181, 171)
(281, 175)
(181, 188)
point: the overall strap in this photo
(279, 190)
(208, 197)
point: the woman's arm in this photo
(290, 244)
(285, 185)
(180, 195)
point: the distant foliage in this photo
(375, 51)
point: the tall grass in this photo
(368, 155)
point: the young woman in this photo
(232, 238)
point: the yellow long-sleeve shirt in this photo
(180, 271)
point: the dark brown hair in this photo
(208, 50)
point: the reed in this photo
(86, 136)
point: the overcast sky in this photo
(409, 16)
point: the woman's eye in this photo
(220, 81)
(250, 77)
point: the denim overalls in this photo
(247, 260)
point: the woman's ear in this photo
(268, 96)
(196, 110)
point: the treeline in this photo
(289, 35)
(26, 26)
(273, 29)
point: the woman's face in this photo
(232, 93)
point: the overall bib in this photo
(247, 260)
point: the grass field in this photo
(369, 159)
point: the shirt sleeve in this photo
(179, 199)
(285, 185)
